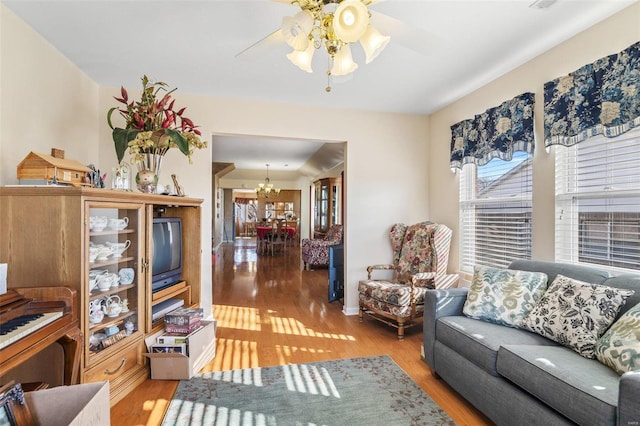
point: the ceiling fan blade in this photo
(409, 36)
(268, 42)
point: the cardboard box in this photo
(78, 405)
(176, 348)
(172, 366)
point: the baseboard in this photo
(350, 311)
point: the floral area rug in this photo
(356, 391)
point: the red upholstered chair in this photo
(420, 257)
(316, 252)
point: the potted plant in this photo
(152, 127)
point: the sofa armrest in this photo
(439, 303)
(628, 397)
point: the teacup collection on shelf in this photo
(104, 280)
(101, 223)
(109, 306)
(102, 252)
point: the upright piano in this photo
(33, 318)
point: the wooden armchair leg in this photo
(400, 330)
(361, 314)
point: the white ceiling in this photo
(439, 50)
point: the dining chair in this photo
(278, 237)
(290, 233)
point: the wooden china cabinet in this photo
(48, 237)
(327, 208)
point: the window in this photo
(495, 212)
(598, 202)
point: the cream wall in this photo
(46, 100)
(608, 37)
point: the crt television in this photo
(166, 257)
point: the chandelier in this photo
(266, 189)
(334, 24)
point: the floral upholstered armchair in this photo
(420, 257)
(316, 252)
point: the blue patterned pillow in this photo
(503, 296)
(619, 347)
(575, 314)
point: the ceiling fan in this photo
(333, 26)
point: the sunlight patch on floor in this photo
(156, 408)
(232, 354)
(238, 317)
(294, 327)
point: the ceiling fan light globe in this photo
(302, 59)
(373, 43)
(343, 62)
(350, 20)
(296, 29)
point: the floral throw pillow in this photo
(575, 314)
(619, 347)
(503, 296)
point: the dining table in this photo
(262, 230)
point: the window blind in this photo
(598, 202)
(495, 212)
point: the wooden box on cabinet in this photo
(45, 237)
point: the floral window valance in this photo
(496, 133)
(599, 98)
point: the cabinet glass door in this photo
(335, 205)
(113, 276)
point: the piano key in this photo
(28, 328)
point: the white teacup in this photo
(98, 223)
(106, 281)
(104, 253)
(93, 253)
(119, 248)
(118, 224)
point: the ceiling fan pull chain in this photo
(329, 68)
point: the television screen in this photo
(166, 260)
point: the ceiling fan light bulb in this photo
(350, 20)
(296, 29)
(302, 59)
(343, 62)
(373, 43)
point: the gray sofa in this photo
(516, 377)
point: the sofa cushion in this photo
(575, 314)
(619, 347)
(629, 282)
(503, 296)
(479, 341)
(582, 389)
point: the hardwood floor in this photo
(271, 312)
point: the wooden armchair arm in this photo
(380, 267)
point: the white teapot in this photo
(113, 306)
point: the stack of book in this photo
(178, 326)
